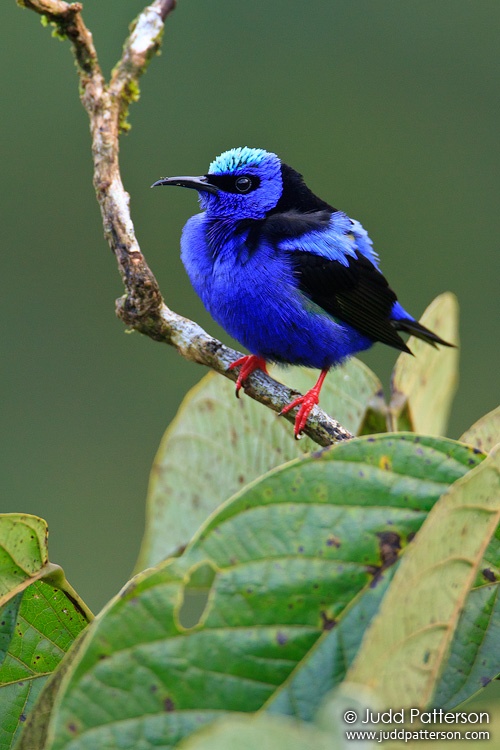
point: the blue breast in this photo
(250, 290)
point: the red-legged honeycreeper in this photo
(293, 279)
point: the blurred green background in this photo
(390, 110)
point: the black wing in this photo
(357, 294)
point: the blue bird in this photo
(290, 277)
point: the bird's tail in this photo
(415, 328)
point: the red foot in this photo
(249, 363)
(306, 403)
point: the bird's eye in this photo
(243, 184)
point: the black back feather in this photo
(296, 196)
(357, 294)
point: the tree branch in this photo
(66, 17)
(142, 307)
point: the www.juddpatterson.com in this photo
(381, 735)
(415, 716)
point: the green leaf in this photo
(40, 616)
(217, 444)
(23, 552)
(283, 562)
(423, 386)
(405, 651)
(474, 658)
(34, 732)
(485, 433)
(326, 664)
(8, 621)
(46, 622)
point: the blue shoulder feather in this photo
(339, 239)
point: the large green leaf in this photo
(40, 617)
(474, 658)
(217, 444)
(283, 562)
(423, 386)
(485, 433)
(405, 651)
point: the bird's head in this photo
(243, 183)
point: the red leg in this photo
(249, 363)
(306, 403)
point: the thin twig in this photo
(68, 21)
(142, 307)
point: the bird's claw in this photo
(306, 403)
(249, 364)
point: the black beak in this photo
(196, 183)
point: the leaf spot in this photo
(333, 541)
(328, 622)
(489, 575)
(169, 704)
(385, 463)
(389, 546)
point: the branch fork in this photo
(142, 308)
